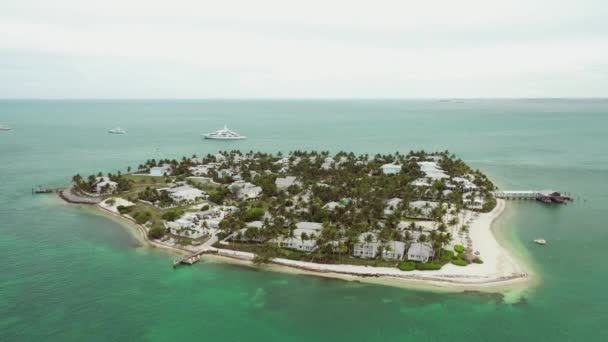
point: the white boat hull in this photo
(223, 138)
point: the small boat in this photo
(4, 128)
(117, 130)
(224, 134)
(540, 241)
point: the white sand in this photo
(117, 203)
(499, 265)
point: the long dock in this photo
(189, 259)
(546, 196)
(41, 190)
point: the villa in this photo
(465, 184)
(424, 208)
(432, 170)
(308, 230)
(393, 250)
(365, 249)
(391, 205)
(286, 182)
(104, 184)
(185, 193)
(327, 163)
(420, 252)
(159, 171)
(391, 169)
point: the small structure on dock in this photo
(190, 259)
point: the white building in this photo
(391, 205)
(327, 163)
(432, 170)
(391, 169)
(104, 182)
(423, 207)
(286, 182)
(185, 193)
(246, 190)
(393, 250)
(420, 252)
(308, 229)
(465, 184)
(158, 171)
(365, 249)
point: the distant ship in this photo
(4, 128)
(224, 134)
(117, 130)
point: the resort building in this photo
(393, 250)
(185, 193)
(105, 185)
(304, 237)
(367, 247)
(422, 208)
(432, 170)
(391, 205)
(245, 190)
(420, 252)
(327, 163)
(391, 169)
(286, 182)
(158, 171)
(465, 184)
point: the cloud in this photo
(304, 49)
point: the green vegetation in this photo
(124, 210)
(407, 266)
(459, 262)
(142, 217)
(110, 202)
(156, 233)
(172, 215)
(429, 266)
(348, 198)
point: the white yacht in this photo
(4, 128)
(540, 241)
(117, 130)
(224, 134)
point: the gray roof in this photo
(421, 249)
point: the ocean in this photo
(70, 274)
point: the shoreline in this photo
(501, 271)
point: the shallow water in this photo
(68, 274)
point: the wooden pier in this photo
(189, 259)
(545, 196)
(41, 190)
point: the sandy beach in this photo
(500, 268)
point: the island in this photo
(418, 216)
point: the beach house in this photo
(303, 237)
(286, 182)
(420, 252)
(390, 169)
(391, 205)
(393, 250)
(185, 193)
(367, 247)
(163, 170)
(105, 185)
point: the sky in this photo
(303, 49)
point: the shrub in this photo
(407, 266)
(459, 248)
(478, 261)
(205, 207)
(253, 214)
(156, 233)
(110, 202)
(459, 262)
(429, 266)
(142, 217)
(172, 215)
(123, 210)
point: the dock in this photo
(43, 190)
(189, 259)
(545, 196)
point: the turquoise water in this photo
(70, 274)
